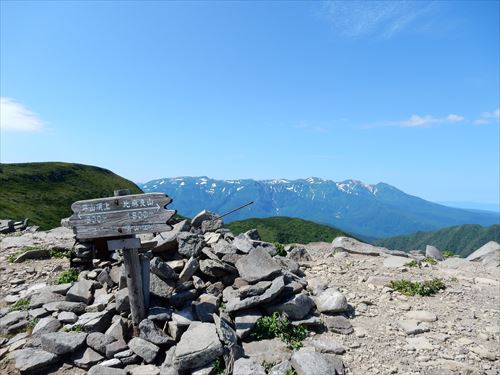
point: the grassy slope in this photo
(287, 230)
(44, 192)
(462, 239)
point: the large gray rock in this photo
(151, 333)
(242, 243)
(327, 346)
(205, 306)
(162, 269)
(122, 301)
(192, 352)
(245, 321)
(331, 300)
(74, 307)
(190, 268)
(81, 291)
(144, 349)
(95, 321)
(226, 333)
(433, 252)
(67, 317)
(270, 294)
(115, 347)
(412, 327)
(87, 359)
(33, 360)
(43, 298)
(167, 241)
(190, 244)
(160, 288)
(46, 325)
(216, 268)
(98, 341)
(337, 324)
(13, 321)
(104, 370)
(248, 366)
(222, 247)
(312, 363)
(201, 217)
(299, 254)
(484, 251)
(253, 290)
(257, 265)
(63, 342)
(353, 246)
(296, 307)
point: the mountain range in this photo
(369, 211)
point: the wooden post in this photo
(145, 270)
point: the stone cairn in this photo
(207, 290)
(10, 226)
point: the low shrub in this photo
(68, 276)
(430, 260)
(21, 304)
(413, 263)
(426, 288)
(277, 325)
(280, 249)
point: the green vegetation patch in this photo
(413, 263)
(462, 240)
(430, 260)
(21, 304)
(426, 288)
(44, 192)
(448, 254)
(280, 249)
(277, 325)
(219, 365)
(68, 276)
(285, 230)
(75, 328)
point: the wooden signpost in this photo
(124, 216)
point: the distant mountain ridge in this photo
(379, 210)
(462, 240)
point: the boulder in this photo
(226, 333)
(43, 298)
(13, 321)
(270, 294)
(74, 307)
(201, 217)
(98, 341)
(331, 301)
(353, 246)
(67, 317)
(190, 244)
(299, 254)
(191, 352)
(46, 325)
(242, 244)
(253, 290)
(245, 321)
(484, 251)
(122, 301)
(313, 363)
(160, 288)
(296, 307)
(81, 291)
(205, 306)
(144, 349)
(63, 342)
(87, 359)
(115, 347)
(216, 268)
(257, 265)
(151, 333)
(337, 324)
(162, 269)
(33, 360)
(433, 252)
(167, 241)
(248, 366)
(189, 269)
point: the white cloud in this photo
(383, 18)
(488, 117)
(15, 117)
(423, 121)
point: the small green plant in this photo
(277, 325)
(219, 365)
(268, 366)
(21, 304)
(448, 254)
(68, 276)
(280, 249)
(12, 257)
(31, 324)
(413, 263)
(75, 328)
(58, 253)
(430, 260)
(290, 371)
(426, 288)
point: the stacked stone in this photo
(10, 226)
(208, 288)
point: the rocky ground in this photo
(210, 287)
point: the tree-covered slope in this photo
(287, 230)
(44, 192)
(462, 239)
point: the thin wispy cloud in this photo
(378, 18)
(488, 117)
(15, 117)
(418, 121)
(310, 128)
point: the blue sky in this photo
(401, 92)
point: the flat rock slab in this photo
(145, 370)
(270, 294)
(257, 265)
(337, 324)
(98, 341)
(151, 333)
(74, 307)
(296, 307)
(33, 360)
(13, 321)
(422, 316)
(326, 345)
(312, 363)
(103, 370)
(193, 352)
(144, 349)
(412, 327)
(81, 291)
(88, 359)
(273, 350)
(353, 246)
(395, 262)
(62, 342)
(245, 320)
(46, 325)
(419, 343)
(248, 366)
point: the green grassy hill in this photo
(462, 239)
(287, 230)
(44, 192)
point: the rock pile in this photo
(208, 288)
(10, 226)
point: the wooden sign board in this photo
(121, 216)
